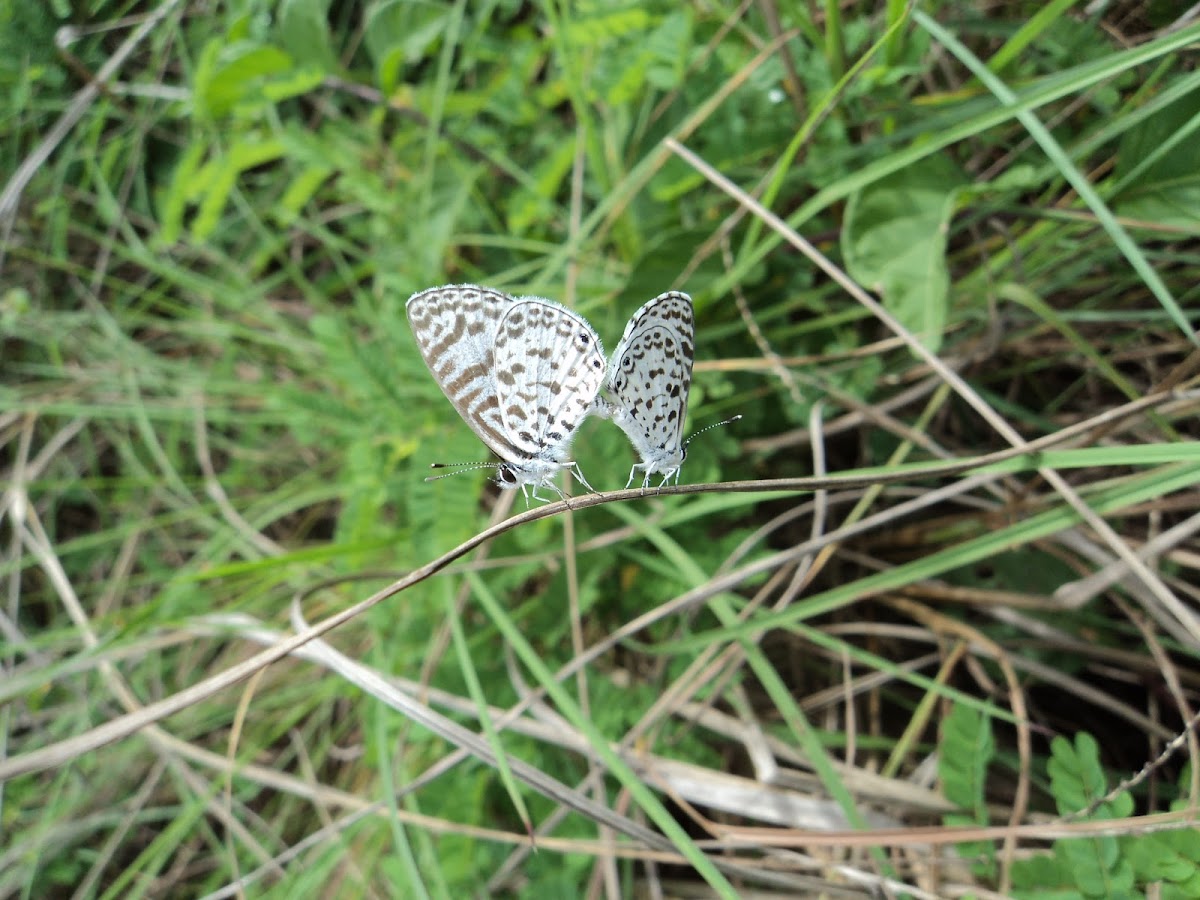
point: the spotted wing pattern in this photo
(522, 372)
(549, 368)
(648, 382)
(455, 327)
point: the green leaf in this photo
(594, 31)
(298, 82)
(220, 186)
(668, 45)
(218, 179)
(1085, 860)
(528, 207)
(1077, 779)
(229, 74)
(1156, 167)
(621, 77)
(299, 191)
(253, 152)
(173, 202)
(304, 33)
(1042, 876)
(894, 243)
(1185, 890)
(1165, 856)
(1028, 568)
(1076, 776)
(399, 32)
(965, 750)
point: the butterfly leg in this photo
(550, 484)
(578, 473)
(632, 472)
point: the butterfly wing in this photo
(456, 327)
(649, 379)
(549, 368)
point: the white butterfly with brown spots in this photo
(523, 372)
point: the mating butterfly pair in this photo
(524, 372)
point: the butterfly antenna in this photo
(460, 468)
(710, 427)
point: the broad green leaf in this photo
(15, 303)
(304, 33)
(1077, 779)
(894, 243)
(620, 78)
(228, 74)
(1156, 169)
(1028, 569)
(399, 32)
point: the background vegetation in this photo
(216, 427)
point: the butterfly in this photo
(648, 381)
(523, 372)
